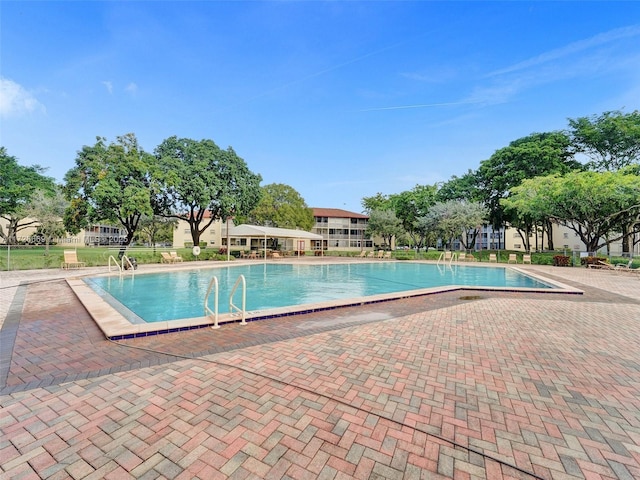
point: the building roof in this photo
(336, 213)
(246, 230)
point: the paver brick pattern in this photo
(430, 388)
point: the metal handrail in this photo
(244, 299)
(213, 284)
(124, 257)
(111, 257)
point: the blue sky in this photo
(338, 99)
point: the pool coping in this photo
(116, 327)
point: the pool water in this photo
(165, 296)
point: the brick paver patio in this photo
(499, 385)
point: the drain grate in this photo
(470, 297)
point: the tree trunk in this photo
(549, 229)
(626, 240)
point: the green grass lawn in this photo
(33, 258)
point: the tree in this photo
(595, 205)
(611, 140)
(110, 183)
(18, 185)
(535, 155)
(385, 224)
(378, 202)
(48, 209)
(457, 219)
(156, 229)
(202, 183)
(460, 188)
(282, 206)
(409, 206)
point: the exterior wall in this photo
(341, 229)
(93, 236)
(212, 236)
(563, 239)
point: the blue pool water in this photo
(180, 294)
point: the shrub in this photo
(592, 260)
(561, 261)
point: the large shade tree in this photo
(595, 205)
(384, 224)
(610, 140)
(536, 155)
(456, 219)
(48, 209)
(18, 186)
(202, 183)
(410, 206)
(281, 206)
(110, 183)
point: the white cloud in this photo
(16, 100)
(132, 88)
(573, 49)
(109, 86)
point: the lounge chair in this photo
(275, 255)
(363, 254)
(512, 258)
(380, 253)
(175, 256)
(622, 266)
(526, 259)
(166, 257)
(602, 265)
(462, 256)
(470, 258)
(371, 254)
(387, 255)
(493, 258)
(71, 260)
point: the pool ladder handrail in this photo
(121, 266)
(232, 307)
(213, 285)
(443, 257)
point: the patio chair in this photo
(493, 258)
(175, 256)
(380, 253)
(387, 255)
(601, 265)
(363, 254)
(71, 260)
(526, 259)
(462, 257)
(622, 266)
(512, 258)
(371, 254)
(166, 257)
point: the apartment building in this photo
(341, 229)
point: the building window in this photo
(517, 245)
(566, 235)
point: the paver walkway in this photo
(494, 386)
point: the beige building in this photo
(341, 229)
(563, 239)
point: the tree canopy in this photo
(202, 183)
(595, 205)
(385, 224)
(611, 140)
(282, 206)
(18, 185)
(457, 219)
(110, 183)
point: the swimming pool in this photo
(158, 297)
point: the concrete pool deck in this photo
(485, 385)
(116, 327)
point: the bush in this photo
(592, 260)
(561, 261)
